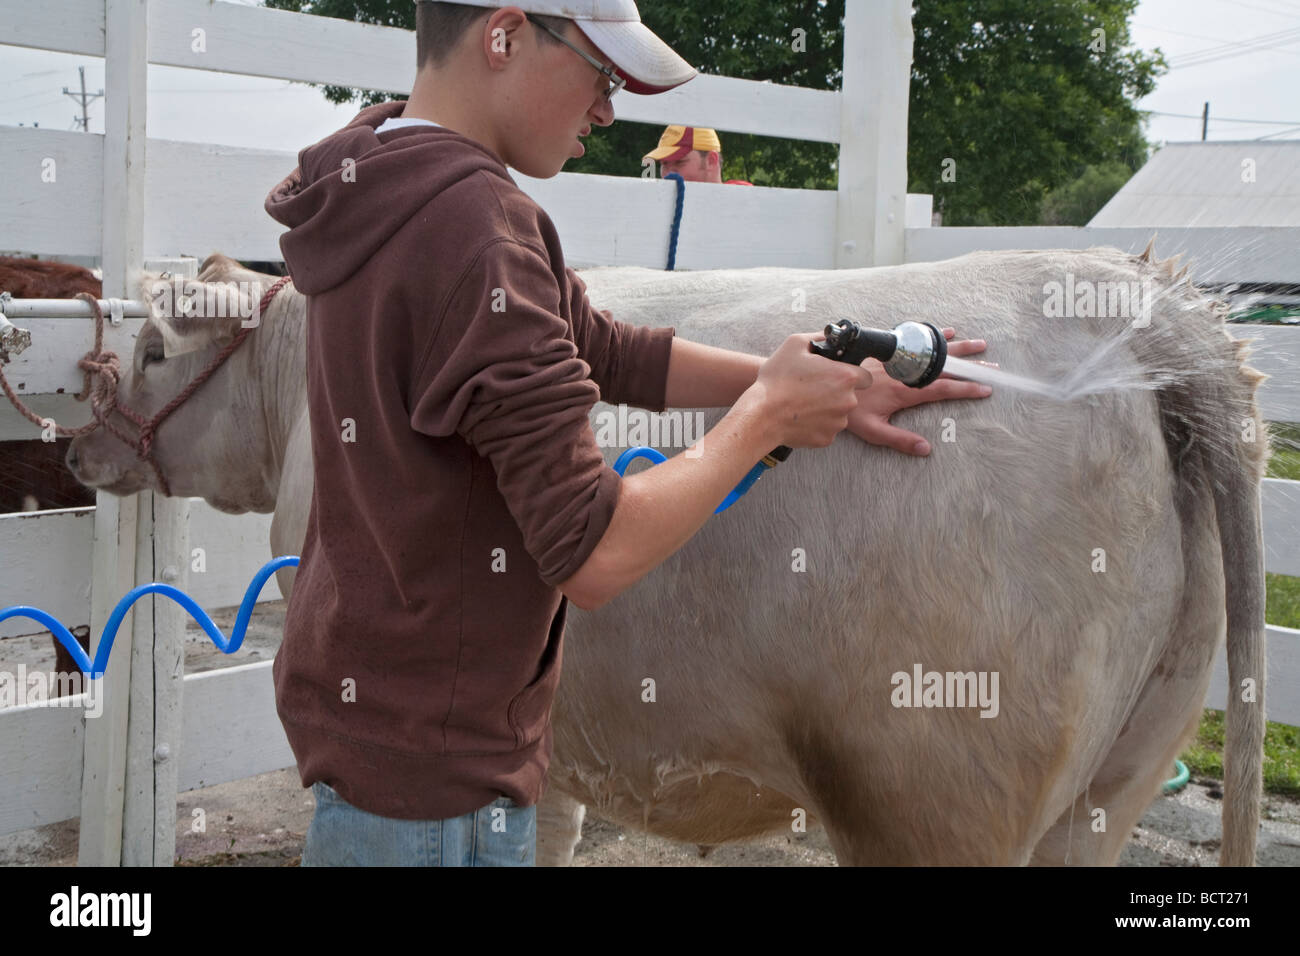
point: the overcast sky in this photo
(1243, 56)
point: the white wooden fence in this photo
(124, 197)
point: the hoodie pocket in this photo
(531, 708)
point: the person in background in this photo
(693, 152)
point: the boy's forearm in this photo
(660, 508)
(701, 376)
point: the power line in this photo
(1177, 33)
(1293, 129)
(10, 100)
(1267, 48)
(1224, 119)
(1262, 38)
(1201, 36)
(36, 106)
(1293, 15)
(1236, 48)
(1234, 135)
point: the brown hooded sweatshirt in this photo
(452, 361)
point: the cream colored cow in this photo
(1088, 555)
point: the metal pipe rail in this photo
(14, 340)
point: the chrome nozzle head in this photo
(919, 356)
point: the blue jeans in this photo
(499, 834)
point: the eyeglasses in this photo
(616, 82)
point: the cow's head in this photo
(217, 444)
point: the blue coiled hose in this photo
(655, 457)
(95, 669)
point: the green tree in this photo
(1021, 97)
(1009, 90)
(1075, 203)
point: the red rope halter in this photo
(103, 372)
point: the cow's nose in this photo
(72, 458)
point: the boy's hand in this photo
(870, 420)
(804, 403)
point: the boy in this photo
(460, 499)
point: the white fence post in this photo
(158, 663)
(126, 65)
(872, 200)
(138, 782)
(104, 753)
(126, 58)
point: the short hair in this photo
(440, 26)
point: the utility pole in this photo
(1205, 121)
(84, 121)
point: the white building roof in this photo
(1247, 183)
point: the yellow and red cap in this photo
(677, 141)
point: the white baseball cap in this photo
(647, 63)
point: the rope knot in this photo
(145, 439)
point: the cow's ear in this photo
(236, 309)
(222, 329)
(243, 306)
(172, 301)
(183, 334)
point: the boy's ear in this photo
(508, 24)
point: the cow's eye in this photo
(154, 353)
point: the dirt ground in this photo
(261, 821)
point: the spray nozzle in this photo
(913, 352)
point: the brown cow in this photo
(41, 279)
(38, 279)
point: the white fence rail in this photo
(201, 197)
(289, 46)
(230, 731)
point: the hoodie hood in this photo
(351, 192)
